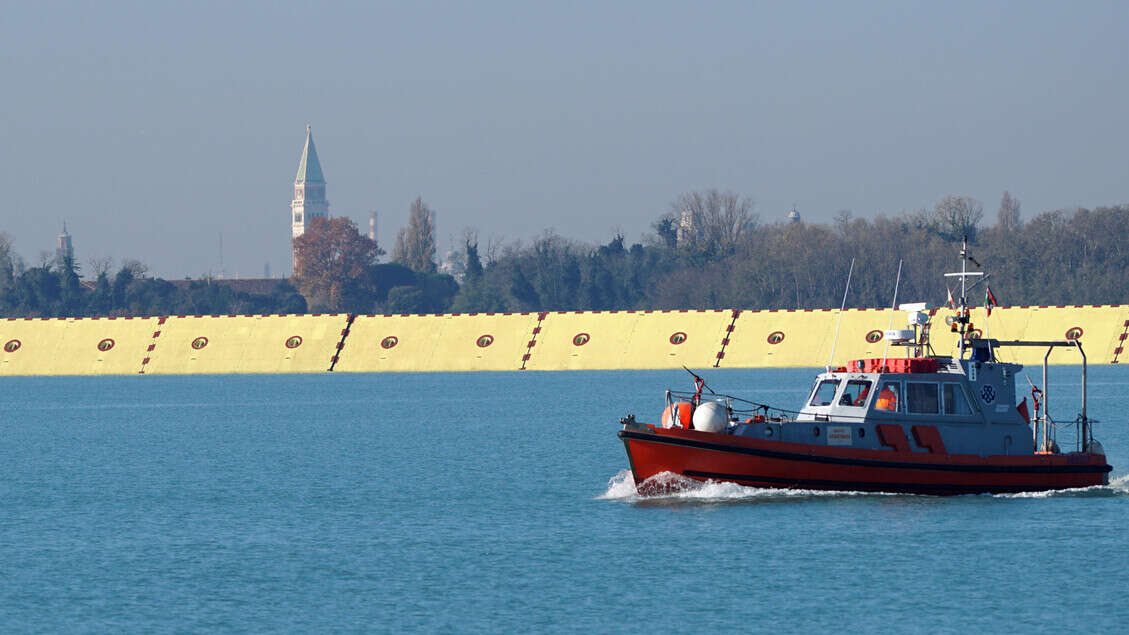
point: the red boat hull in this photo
(760, 463)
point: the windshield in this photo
(856, 393)
(824, 393)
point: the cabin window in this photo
(856, 393)
(921, 398)
(824, 393)
(956, 403)
(889, 397)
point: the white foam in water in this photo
(670, 486)
(1117, 487)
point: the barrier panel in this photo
(784, 338)
(449, 342)
(629, 339)
(244, 344)
(547, 341)
(1098, 328)
(804, 338)
(74, 346)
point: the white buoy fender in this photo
(711, 416)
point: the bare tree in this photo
(99, 266)
(1007, 219)
(415, 244)
(713, 220)
(494, 247)
(958, 216)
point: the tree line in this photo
(709, 251)
(715, 255)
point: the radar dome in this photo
(711, 416)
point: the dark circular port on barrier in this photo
(199, 342)
(581, 339)
(1073, 333)
(389, 341)
(874, 336)
(862, 432)
(775, 337)
(484, 340)
(105, 345)
(12, 346)
(815, 431)
(678, 338)
(294, 341)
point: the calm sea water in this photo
(500, 502)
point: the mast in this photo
(963, 274)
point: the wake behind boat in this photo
(922, 424)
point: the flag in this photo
(950, 302)
(1022, 408)
(989, 299)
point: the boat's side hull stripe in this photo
(862, 486)
(870, 463)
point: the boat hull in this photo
(748, 461)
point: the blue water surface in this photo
(499, 502)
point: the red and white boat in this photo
(921, 424)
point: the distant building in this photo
(309, 193)
(64, 249)
(793, 216)
(372, 228)
(454, 265)
(685, 230)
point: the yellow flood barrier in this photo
(74, 346)
(1100, 329)
(244, 344)
(630, 339)
(804, 338)
(449, 342)
(784, 339)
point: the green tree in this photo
(71, 299)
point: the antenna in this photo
(835, 342)
(963, 274)
(897, 283)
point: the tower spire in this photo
(309, 191)
(309, 168)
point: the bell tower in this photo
(309, 193)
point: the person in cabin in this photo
(887, 398)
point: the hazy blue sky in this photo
(154, 127)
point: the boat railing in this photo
(738, 408)
(1044, 425)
